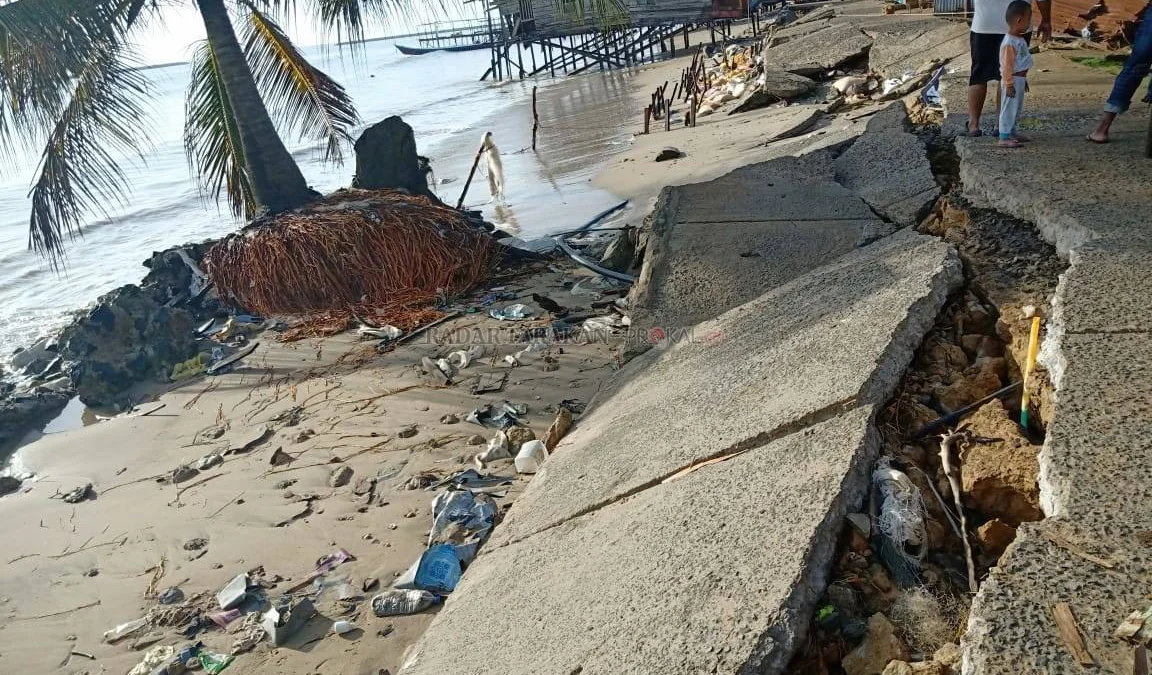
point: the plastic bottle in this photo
(531, 457)
(341, 627)
(395, 602)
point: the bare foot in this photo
(1097, 137)
(1009, 143)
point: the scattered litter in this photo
(497, 449)
(222, 619)
(1070, 633)
(279, 458)
(574, 405)
(331, 561)
(286, 617)
(517, 312)
(153, 658)
(504, 417)
(408, 432)
(449, 419)
(1137, 627)
(435, 374)
(439, 569)
(210, 460)
(183, 473)
(490, 383)
(249, 633)
(396, 602)
(124, 630)
(384, 332)
(214, 663)
(342, 627)
(461, 359)
(900, 525)
(496, 295)
(531, 457)
(79, 494)
(234, 592)
(171, 596)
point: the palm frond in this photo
(101, 122)
(211, 139)
(299, 96)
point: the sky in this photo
(172, 39)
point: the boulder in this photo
(918, 668)
(995, 536)
(668, 154)
(386, 158)
(518, 436)
(128, 337)
(778, 85)
(999, 475)
(340, 476)
(619, 254)
(9, 484)
(22, 412)
(879, 647)
(44, 350)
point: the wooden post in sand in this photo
(535, 119)
(668, 114)
(468, 183)
(647, 119)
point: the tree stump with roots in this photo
(386, 159)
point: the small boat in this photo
(416, 51)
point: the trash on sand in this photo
(475, 515)
(606, 324)
(669, 153)
(183, 473)
(340, 476)
(496, 295)
(534, 347)
(504, 417)
(234, 592)
(461, 359)
(222, 619)
(279, 457)
(125, 629)
(517, 312)
(249, 633)
(900, 525)
(558, 429)
(79, 494)
(549, 305)
(190, 653)
(497, 449)
(531, 457)
(214, 663)
(574, 405)
(384, 332)
(153, 658)
(331, 561)
(210, 460)
(490, 383)
(471, 478)
(439, 569)
(341, 627)
(396, 602)
(171, 596)
(435, 374)
(286, 617)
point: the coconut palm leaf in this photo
(211, 139)
(299, 96)
(101, 122)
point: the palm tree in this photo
(68, 81)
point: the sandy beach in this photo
(73, 571)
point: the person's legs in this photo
(1136, 68)
(985, 54)
(1010, 114)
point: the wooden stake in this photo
(668, 114)
(468, 183)
(647, 119)
(535, 119)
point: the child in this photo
(1015, 61)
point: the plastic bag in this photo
(214, 663)
(439, 569)
(396, 602)
(153, 658)
(125, 629)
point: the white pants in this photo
(1010, 108)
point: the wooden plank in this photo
(1070, 633)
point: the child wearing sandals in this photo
(1015, 62)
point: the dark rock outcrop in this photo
(22, 412)
(126, 338)
(386, 158)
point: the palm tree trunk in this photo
(276, 179)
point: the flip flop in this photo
(1093, 140)
(973, 134)
(1009, 143)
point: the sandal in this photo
(1093, 140)
(1009, 143)
(973, 133)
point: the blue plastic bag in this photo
(439, 569)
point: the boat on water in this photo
(416, 51)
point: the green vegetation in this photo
(1100, 63)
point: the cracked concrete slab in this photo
(718, 244)
(1105, 289)
(1096, 486)
(900, 47)
(906, 187)
(837, 336)
(818, 51)
(714, 572)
